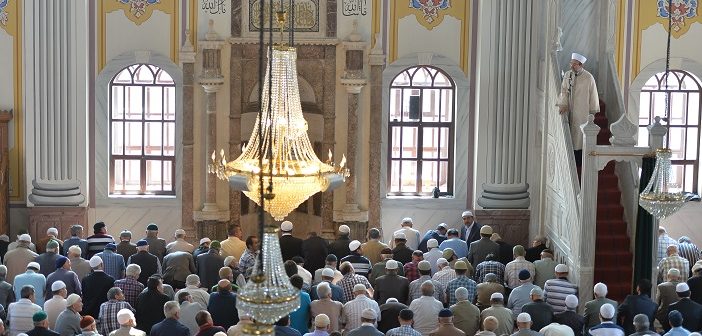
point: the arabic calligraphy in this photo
(355, 7)
(214, 6)
(306, 16)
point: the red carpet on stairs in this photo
(613, 257)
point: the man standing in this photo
(41, 325)
(367, 327)
(114, 263)
(351, 312)
(78, 265)
(481, 248)
(373, 247)
(125, 246)
(149, 263)
(543, 268)
(361, 264)
(425, 275)
(389, 312)
(76, 234)
(690, 310)
(458, 245)
(673, 260)
(350, 280)
(314, 250)
(157, 246)
(426, 309)
(466, 315)
(130, 285)
(17, 259)
(592, 308)
(97, 242)
(64, 274)
(68, 322)
(337, 294)
(33, 278)
(402, 252)
(406, 319)
(664, 240)
(461, 280)
(202, 248)
(537, 246)
(541, 312)
(570, 317)
(666, 294)
(633, 305)
(515, 266)
(47, 260)
(411, 235)
(51, 234)
(180, 244)
(54, 306)
(95, 287)
(484, 290)
(197, 294)
(688, 250)
(290, 246)
(579, 99)
(502, 314)
(188, 310)
(410, 269)
(340, 247)
(109, 310)
(248, 258)
(520, 295)
(19, 314)
(170, 326)
(208, 265)
(233, 245)
(391, 285)
(470, 231)
(446, 327)
(524, 326)
(439, 235)
(607, 326)
(127, 324)
(177, 266)
(433, 255)
(556, 290)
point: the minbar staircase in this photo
(613, 257)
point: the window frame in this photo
(421, 126)
(143, 158)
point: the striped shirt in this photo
(415, 289)
(19, 316)
(348, 281)
(689, 251)
(460, 281)
(96, 244)
(351, 312)
(555, 292)
(513, 268)
(361, 265)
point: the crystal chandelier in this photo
(289, 162)
(657, 198)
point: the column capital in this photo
(376, 59)
(212, 84)
(353, 85)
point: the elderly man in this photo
(64, 274)
(543, 268)
(426, 309)
(541, 312)
(502, 314)
(170, 326)
(41, 325)
(127, 324)
(109, 310)
(350, 280)
(188, 311)
(537, 246)
(673, 260)
(433, 254)
(478, 250)
(389, 311)
(485, 290)
(350, 313)
(633, 305)
(592, 308)
(470, 230)
(401, 252)
(68, 322)
(222, 305)
(33, 278)
(340, 246)
(664, 241)
(47, 260)
(203, 247)
(157, 246)
(88, 326)
(641, 326)
(328, 278)
(513, 268)
(411, 235)
(556, 290)
(445, 273)
(506, 249)
(570, 317)
(177, 266)
(379, 268)
(149, 263)
(391, 285)
(325, 305)
(51, 234)
(248, 258)
(425, 275)
(321, 325)
(76, 240)
(114, 262)
(690, 310)
(373, 247)
(461, 280)
(524, 326)
(406, 318)
(666, 294)
(455, 243)
(446, 327)
(150, 303)
(330, 262)
(7, 295)
(367, 327)
(130, 285)
(198, 293)
(179, 244)
(19, 314)
(125, 247)
(95, 287)
(520, 295)
(78, 265)
(361, 264)
(97, 242)
(54, 306)
(607, 327)
(208, 265)
(439, 235)
(290, 246)
(466, 316)
(490, 324)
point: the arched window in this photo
(142, 101)
(421, 132)
(684, 91)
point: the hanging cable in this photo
(261, 210)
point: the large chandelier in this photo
(657, 197)
(289, 162)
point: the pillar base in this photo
(62, 218)
(505, 196)
(351, 213)
(56, 193)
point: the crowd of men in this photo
(448, 281)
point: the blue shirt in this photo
(606, 329)
(113, 262)
(300, 319)
(82, 243)
(459, 247)
(677, 331)
(286, 331)
(337, 292)
(37, 280)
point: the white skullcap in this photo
(205, 240)
(124, 315)
(523, 317)
(697, 266)
(35, 265)
(344, 229)
(571, 301)
(228, 260)
(327, 272)
(5, 238)
(57, 285)
(354, 245)
(369, 314)
(442, 225)
(441, 261)
(391, 265)
(95, 261)
(179, 232)
(220, 333)
(467, 213)
(286, 226)
(600, 289)
(359, 287)
(561, 268)
(321, 321)
(578, 57)
(682, 287)
(607, 311)
(25, 237)
(72, 299)
(52, 230)
(461, 294)
(407, 220)
(496, 296)
(391, 300)
(399, 235)
(431, 243)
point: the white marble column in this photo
(187, 59)
(508, 80)
(588, 209)
(56, 52)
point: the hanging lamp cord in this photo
(667, 75)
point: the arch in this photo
(101, 152)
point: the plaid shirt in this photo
(444, 276)
(348, 281)
(674, 261)
(108, 315)
(513, 268)
(415, 289)
(460, 281)
(113, 262)
(403, 330)
(486, 267)
(131, 288)
(411, 271)
(664, 241)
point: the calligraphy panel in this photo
(354, 7)
(306, 16)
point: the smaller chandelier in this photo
(656, 197)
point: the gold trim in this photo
(377, 9)
(392, 43)
(621, 39)
(193, 23)
(635, 64)
(596, 153)
(465, 37)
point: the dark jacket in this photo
(691, 312)
(391, 286)
(506, 252)
(431, 234)
(541, 314)
(222, 307)
(695, 284)
(632, 306)
(169, 327)
(149, 266)
(314, 250)
(40, 331)
(471, 236)
(208, 265)
(388, 315)
(571, 319)
(210, 331)
(95, 286)
(340, 247)
(290, 247)
(149, 309)
(534, 253)
(126, 249)
(402, 253)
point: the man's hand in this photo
(563, 109)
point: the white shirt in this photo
(411, 235)
(351, 312)
(426, 313)
(19, 314)
(557, 329)
(305, 274)
(199, 295)
(53, 308)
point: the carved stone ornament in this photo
(623, 132)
